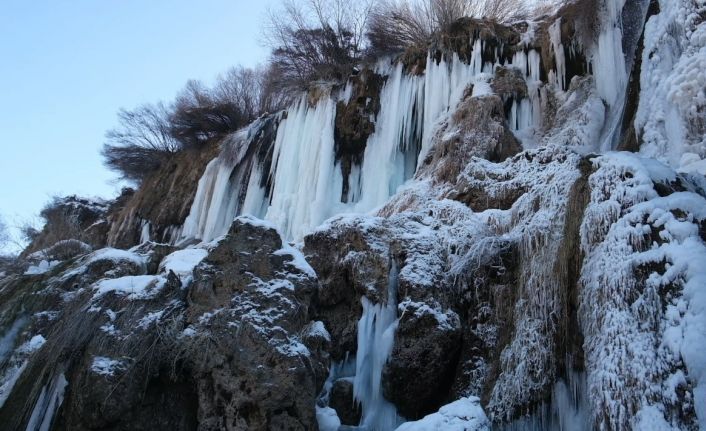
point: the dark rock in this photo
(509, 82)
(70, 218)
(348, 268)
(355, 121)
(252, 303)
(342, 400)
(476, 129)
(419, 374)
(154, 254)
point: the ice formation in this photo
(376, 335)
(306, 179)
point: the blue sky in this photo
(67, 66)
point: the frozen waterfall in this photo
(306, 179)
(297, 181)
(376, 337)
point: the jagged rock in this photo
(427, 344)
(250, 299)
(164, 200)
(509, 82)
(341, 400)
(355, 121)
(153, 254)
(71, 218)
(348, 268)
(477, 128)
(234, 349)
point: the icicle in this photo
(444, 84)
(47, 404)
(145, 231)
(526, 114)
(306, 181)
(255, 203)
(376, 335)
(383, 161)
(608, 63)
(608, 59)
(559, 56)
(303, 194)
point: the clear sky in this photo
(67, 66)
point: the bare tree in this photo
(315, 40)
(200, 115)
(146, 126)
(395, 25)
(5, 237)
(140, 143)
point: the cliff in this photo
(450, 239)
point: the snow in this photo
(183, 262)
(150, 318)
(327, 419)
(464, 414)
(116, 255)
(317, 329)
(617, 311)
(35, 343)
(448, 320)
(670, 116)
(14, 365)
(41, 267)
(133, 286)
(106, 366)
(298, 261)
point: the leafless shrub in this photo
(395, 25)
(29, 230)
(150, 134)
(64, 221)
(5, 236)
(315, 40)
(503, 11)
(200, 115)
(140, 143)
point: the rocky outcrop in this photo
(355, 121)
(71, 218)
(163, 200)
(251, 298)
(147, 345)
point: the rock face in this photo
(71, 218)
(162, 202)
(342, 400)
(231, 347)
(252, 300)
